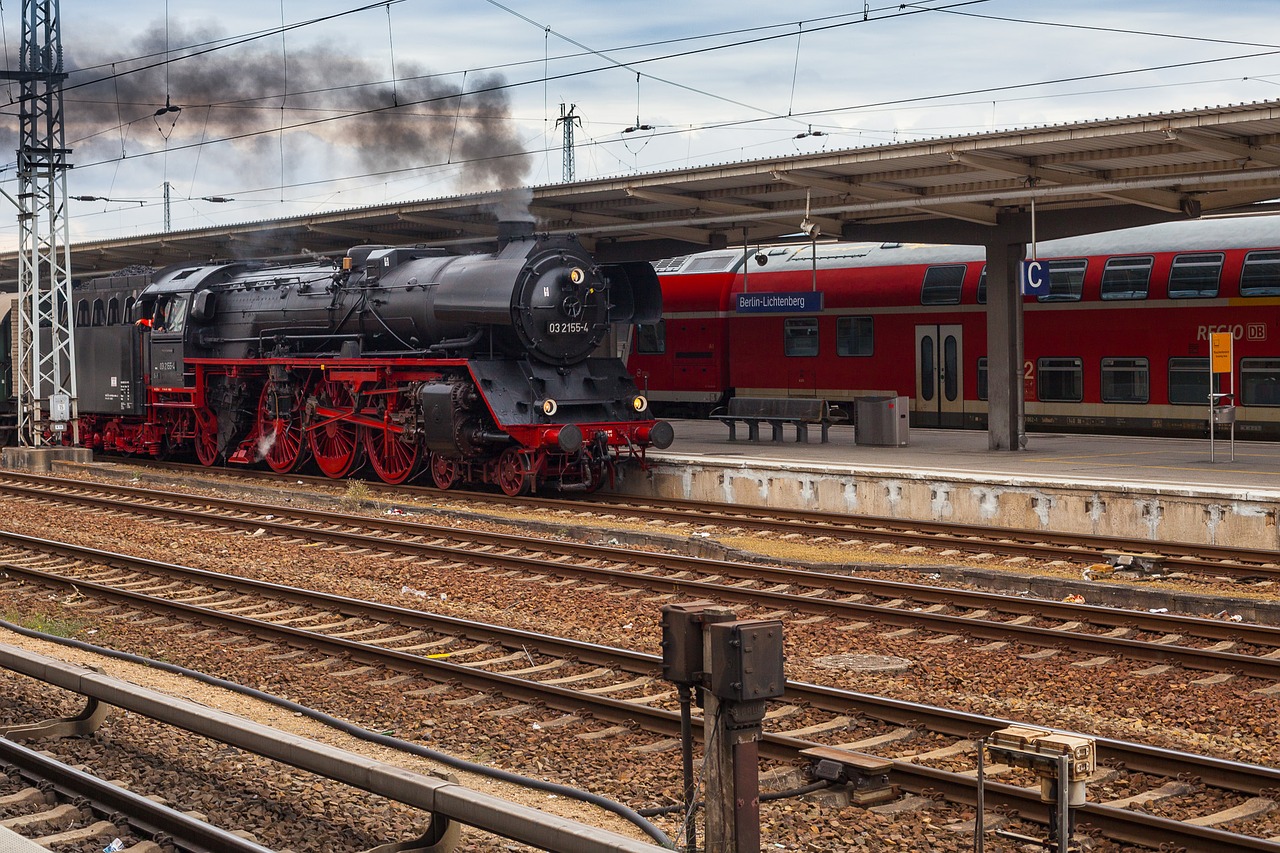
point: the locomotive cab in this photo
(177, 301)
(165, 313)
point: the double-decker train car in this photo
(1118, 344)
(475, 368)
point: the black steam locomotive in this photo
(478, 368)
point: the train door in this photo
(939, 376)
(168, 327)
(801, 351)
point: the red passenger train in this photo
(1118, 344)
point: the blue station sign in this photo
(1035, 278)
(802, 302)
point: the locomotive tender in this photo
(1119, 344)
(478, 368)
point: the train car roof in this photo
(1203, 235)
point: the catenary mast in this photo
(45, 370)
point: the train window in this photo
(1126, 380)
(669, 264)
(1260, 382)
(831, 251)
(651, 338)
(1126, 278)
(99, 312)
(942, 285)
(1261, 274)
(170, 313)
(1189, 381)
(1195, 276)
(1059, 380)
(712, 263)
(800, 336)
(982, 378)
(982, 286)
(928, 367)
(113, 311)
(855, 336)
(82, 312)
(1066, 281)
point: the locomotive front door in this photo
(939, 376)
(168, 325)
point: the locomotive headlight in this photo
(639, 403)
(577, 275)
(549, 407)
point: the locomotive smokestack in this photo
(510, 230)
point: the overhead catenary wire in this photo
(738, 123)
(795, 68)
(1096, 28)
(915, 9)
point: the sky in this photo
(254, 111)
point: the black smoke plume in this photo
(246, 92)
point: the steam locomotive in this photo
(477, 368)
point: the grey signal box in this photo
(682, 642)
(746, 659)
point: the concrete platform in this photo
(39, 460)
(12, 842)
(1158, 489)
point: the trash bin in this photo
(1224, 414)
(881, 421)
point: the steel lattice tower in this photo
(45, 372)
(568, 119)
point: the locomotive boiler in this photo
(492, 368)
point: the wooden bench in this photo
(778, 412)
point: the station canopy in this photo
(974, 189)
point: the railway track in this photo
(619, 687)
(1211, 561)
(59, 805)
(81, 790)
(1160, 639)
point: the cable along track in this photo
(587, 679)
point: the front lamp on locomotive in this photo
(481, 368)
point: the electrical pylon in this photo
(568, 119)
(44, 375)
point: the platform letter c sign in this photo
(1035, 278)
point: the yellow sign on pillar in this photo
(1220, 352)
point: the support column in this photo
(718, 778)
(1005, 413)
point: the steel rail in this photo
(143, 813)
(1222, 773)
(1222, 560)
(343, 526)
(433, 794)
(1119, 823)
(1041, 544)
(1159, 653)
